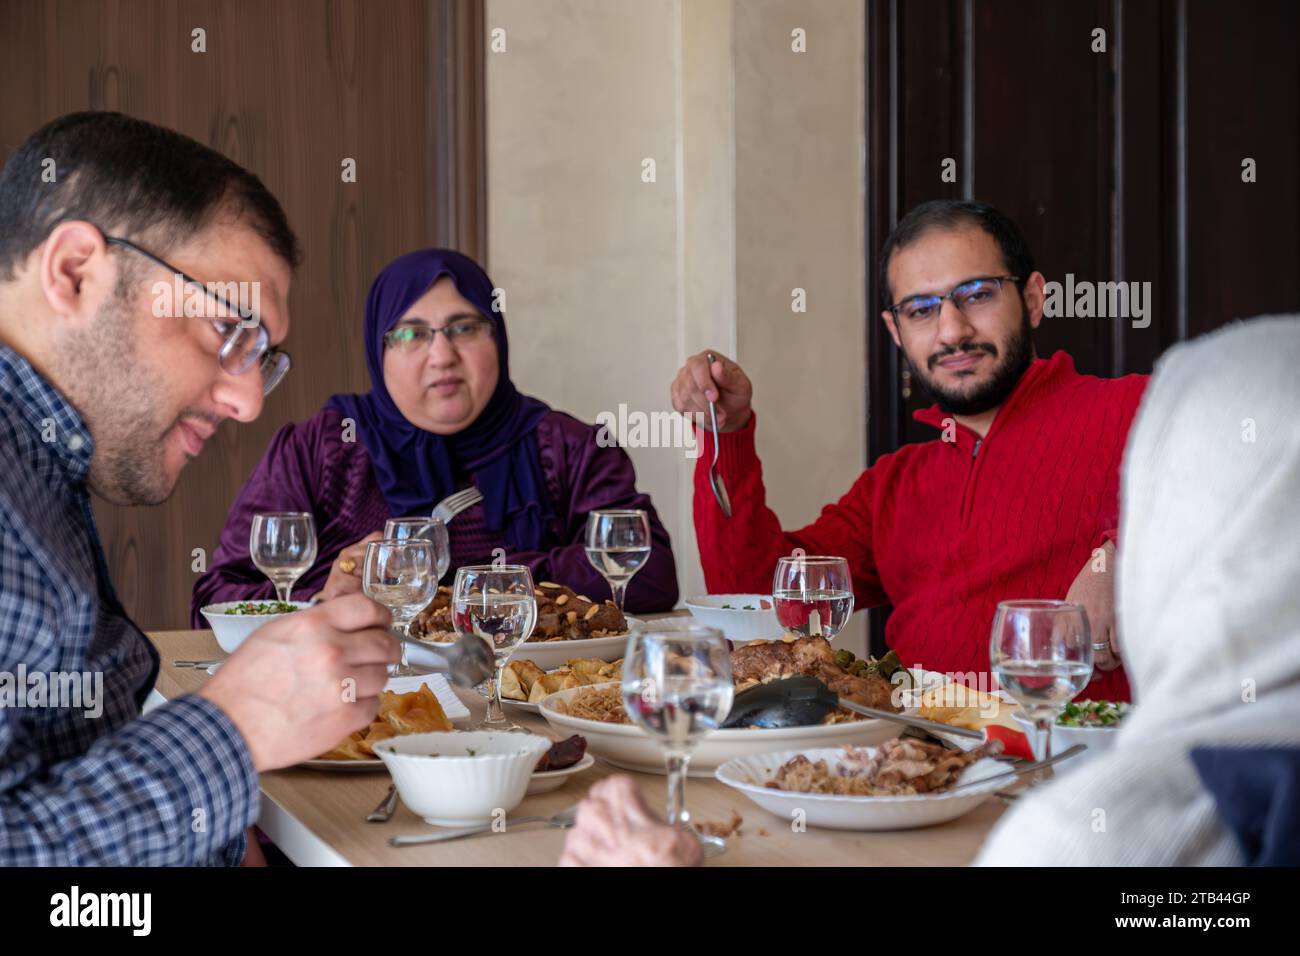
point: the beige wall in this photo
(611, 281)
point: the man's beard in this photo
(121, 401)
(1006, 374)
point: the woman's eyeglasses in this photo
(245, 342)
(413, 338)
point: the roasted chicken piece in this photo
(812, 657)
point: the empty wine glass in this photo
(399, 574)
(282, 545)
(677, 686)
(618, 544)
(812, 594)
(1041, 652)
(429, 529)
(496, 603)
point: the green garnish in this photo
(261, 607)
(1092, 713)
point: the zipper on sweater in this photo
(968, 493)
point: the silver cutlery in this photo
(455, 503)
(199, 664)
(384, 812)
(719, 486)
(1023, 769)
(466, 663)
(563, 820)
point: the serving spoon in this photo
(804, 701)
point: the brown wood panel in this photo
(1243, 91)
(288, 90)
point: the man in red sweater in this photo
(1017, 497)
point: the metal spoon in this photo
(384, 812)
(564, 819)
(719, 486)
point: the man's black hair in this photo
(132, 178)
(957, 214)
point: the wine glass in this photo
(399, 574)
(283, 546)
(812, 594)
(429, 529)
(496, 603)
(1041, 652)
(618, 544)
(677, 686)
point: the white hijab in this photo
(1208, 606)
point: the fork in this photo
(564, 819)
(719, 486)
(455, 503)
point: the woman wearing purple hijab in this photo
(441, 415)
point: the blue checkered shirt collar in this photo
(57, 425)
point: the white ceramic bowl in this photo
(231, 630)
(461, 778)
(750, 774)
(1098, 739)
(548, 655)
(737, 624)
(555, 779)
(630, 747)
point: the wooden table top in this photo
(331, 808)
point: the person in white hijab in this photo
(1208, 604)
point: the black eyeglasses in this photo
(970, 298)
(245, 340)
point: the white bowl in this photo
(736, 624)
(548, 655)
(1098, 739)
(231, 630)
(750, 774)
(555, 779)
(461, 778)
(630, 747)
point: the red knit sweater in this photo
(944, 530)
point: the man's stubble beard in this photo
(120, 400)
(1010, 367)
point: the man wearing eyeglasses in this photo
(1017, 497)
(99, 391)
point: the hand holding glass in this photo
(678, 687)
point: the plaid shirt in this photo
(174, 787)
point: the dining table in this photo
(318, 817)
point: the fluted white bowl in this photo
(461, 778)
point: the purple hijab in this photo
(416, 469)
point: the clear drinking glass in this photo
(1041, 653)
(677, 686)
(429, 529)
(283, 546)
(496, 603)
(618, 544)
(400, 575)
(812, 594)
